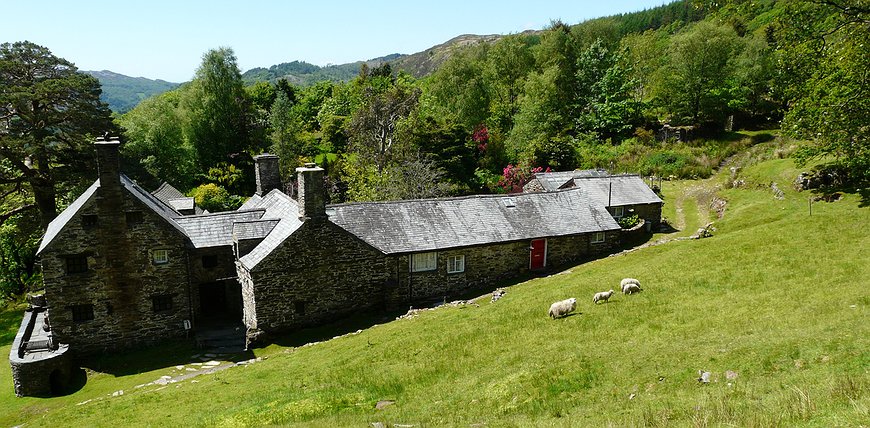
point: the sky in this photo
(162, 39)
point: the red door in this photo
(538, 254)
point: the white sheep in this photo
(563, 307)
(602, 296)
(626, 281)
(630, 288)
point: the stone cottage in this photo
(622, 194)
(124, 267)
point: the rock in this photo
(777, 193)
(118, 393)
(179, 367)
(212, 363)
(384, 403)
(378, 425)
(730, 375)
(497, 294)
(703, 376)
(631, 396)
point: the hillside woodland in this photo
(590, 95)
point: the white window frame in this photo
(160, 257)
(598, 237)
(456, 264)
(424, 262)
(618, 212)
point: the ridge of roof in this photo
(452, 198)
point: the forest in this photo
(590, 95)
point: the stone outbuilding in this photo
(622, 194)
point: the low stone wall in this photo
(35, 373)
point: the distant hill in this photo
(304, 74)
(122, 93)
(424, 63)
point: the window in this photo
(456, 264)
(76, 263)
(598, 237)
(90, 221)
(424, 261)
(160, 257)
(161, 303)
(209, 262)
(133, 217)
(81, 313)
(299, 307)
(618, 212)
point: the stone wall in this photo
(121, 279)
(34, 373)
(485, 265)
(318, 274)
(223, 273)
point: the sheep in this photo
(563, 307)
(602, 296)
(630, 288)
(625, 281)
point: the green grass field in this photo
(777, 296)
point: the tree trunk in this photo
(44, 194)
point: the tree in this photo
(217, 109)
(695, 85)
(823, 51)
(155, 141)
(606, 96)
(373, 129)
(49, 115)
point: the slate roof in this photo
(215, 230)
(64, 217)
(258, 229)
(182, 204)
(278, 206)
(167, 193)
(433, 224)
(149, 200)
(627, 190)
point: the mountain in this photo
(304, 74)
(424, 63)
(122, 93)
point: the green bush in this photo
(215, 198)
(629, 222)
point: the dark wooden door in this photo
(538, 254)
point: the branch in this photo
(5, 216)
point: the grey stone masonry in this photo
(267, 173)
(312, 195)
(108, 163)
(485, 265)
(37, 372)
(317, 274)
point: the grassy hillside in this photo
(776, 296)
(122, 93)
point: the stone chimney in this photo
(312, 195)
(268, 175)
(108, 163)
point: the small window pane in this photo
(76, 264)
(161, 257)
(424, 262)
(161, 303)
(82, 313)
(598, 237)
(456, 264)
(618, 212)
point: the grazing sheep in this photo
(626, 281)
(630, 288)
(602, 296)
(563, 307)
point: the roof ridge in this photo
(220, 213)
(457, 198)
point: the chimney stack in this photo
(267, 172)
(312, 197)
(108, 162)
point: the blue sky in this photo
(163, 39)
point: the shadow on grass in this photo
(10, 321)
(170, 353)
